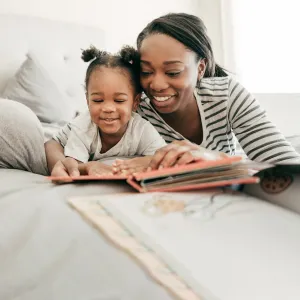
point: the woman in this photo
(192, 102)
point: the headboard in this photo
(57, 43)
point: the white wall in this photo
(121, 19)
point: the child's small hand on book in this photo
(70, 167)
(66, 167)
(131, 166)
(96, 168)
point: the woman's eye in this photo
(97, 100)
(119, 100)
(145, 73)
(173, 74)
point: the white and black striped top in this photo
(228, 110)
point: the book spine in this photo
(135, 185)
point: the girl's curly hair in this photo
(127, 59)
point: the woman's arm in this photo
(259, 138)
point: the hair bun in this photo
(129, 54)
(91, 53)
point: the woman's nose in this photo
(158, 83)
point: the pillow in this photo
(33, 87)
(295, 142)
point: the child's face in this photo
(111, 100)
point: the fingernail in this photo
(149, 169)
(160, 167)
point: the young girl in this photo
(109, 128)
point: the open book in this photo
(194, 176)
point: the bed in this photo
(47, 251)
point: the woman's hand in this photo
(95, 168)
(130, 166)
(181, 153)
(65, 167)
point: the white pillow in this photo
(33, 86)
(295, 141)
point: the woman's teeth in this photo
(162, 99)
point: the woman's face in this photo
(169, 72)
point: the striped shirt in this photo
(228, 111)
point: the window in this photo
(265, 48)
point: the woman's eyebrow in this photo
(168, 62)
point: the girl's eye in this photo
(145, 73)
(119, 100)
(173, 74)
(97, 100)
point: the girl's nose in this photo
(108, 108)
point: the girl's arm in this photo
(54, 153)
(58, 164)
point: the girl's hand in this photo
(130, 166)
(181, 153)
(96, 168)
(66, 167)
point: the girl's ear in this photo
(136, 102)
(201, 68)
